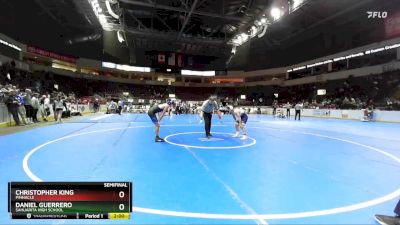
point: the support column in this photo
(398, 53)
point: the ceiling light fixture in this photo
(276, 13)
(110, 11)
(99, 14)
(120, 36)
(260, 27)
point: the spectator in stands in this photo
(44, 107)
(112, 107)
(21, 108)
(75, 111)
(59, 105)
(287, 107)
(274, 106)
(96, 105)
(35, 107)
(120, 106)
(28, 105)
(13, 105)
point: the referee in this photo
(207, 108)
(298, 107)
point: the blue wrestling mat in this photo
(314, 171)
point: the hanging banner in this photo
(50, 54)
(171, 59)
(392, 25)
(161, 58)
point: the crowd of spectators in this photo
(28, 94)
(25, 105)
(376, 91)
(28, 97)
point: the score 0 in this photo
(121, 195)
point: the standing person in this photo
(274, 106)
(288, 106)
(59, 105)
(240, 117)
(96, 105)
(12, 106)
(156, 113)
(298, 107)
(28, 105)
(112, 107)
(42, 110)
(120, 106)
(207, 109)
(21, 108)
(35, 107)
(44, 107)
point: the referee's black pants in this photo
(297, 114)
(207, 122)
(14, 112)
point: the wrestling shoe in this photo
(158, 139)
(387, 220)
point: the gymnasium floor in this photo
(314, 171)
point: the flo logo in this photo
(375, 14)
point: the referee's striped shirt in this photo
(209, 106)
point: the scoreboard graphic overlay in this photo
(70, 200)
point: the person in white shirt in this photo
(59, 106)
(120, 106)
(287, 107)
(240, 117)
(44, 107)
(112, 107)
(298, 107)
(35, 105)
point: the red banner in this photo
(228, 80)
(52, 55)
(392, 25)
(161, 58)
(180, 60)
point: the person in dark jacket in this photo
(12, 106)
